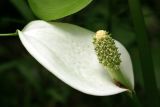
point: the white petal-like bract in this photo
(67, 51)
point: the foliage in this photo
(25, 83)
(55, 9)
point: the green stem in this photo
(134, 99)
(9, 34)
(150, 86)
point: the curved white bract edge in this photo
(126, 64)
(67, 51)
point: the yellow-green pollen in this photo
(109, 57)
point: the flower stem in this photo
(134, 98)
(150, 86)
(9, 34)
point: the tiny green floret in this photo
(109, 56)
(106, 50)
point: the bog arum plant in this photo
(67, 51)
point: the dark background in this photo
(25, 83)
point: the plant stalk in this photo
(135, 101)
(9, 34)
(150, 86)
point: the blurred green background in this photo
(25, 83)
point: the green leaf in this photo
(55, 9)
(122, 31)
(156, 62)
(58, 94)
(23, 8)
(27, 69)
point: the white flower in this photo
(67, 51)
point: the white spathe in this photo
(67, 51)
